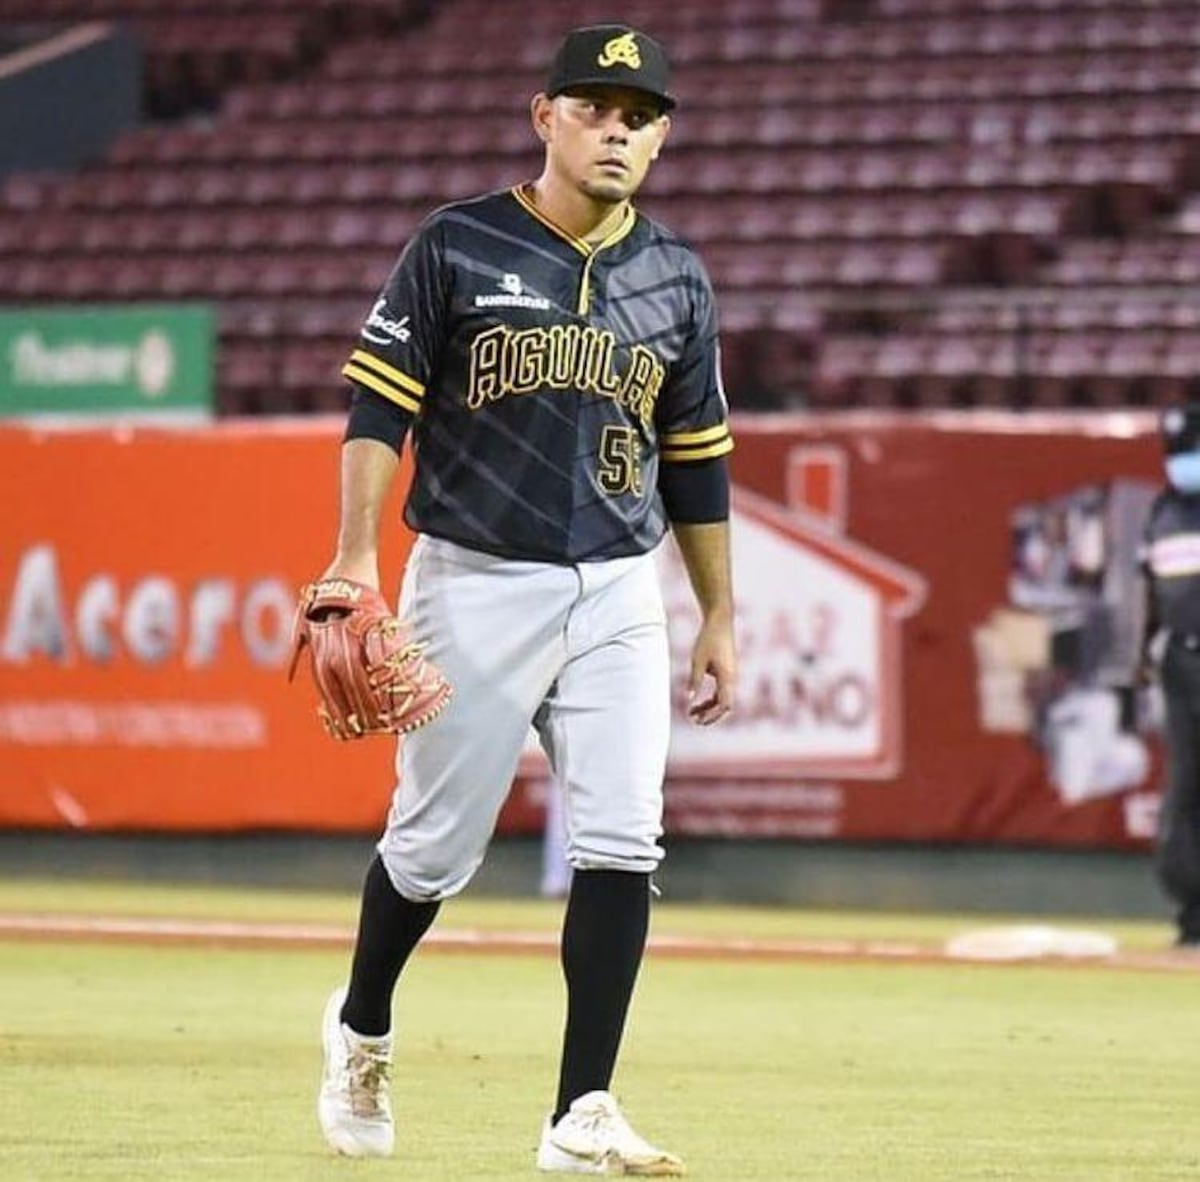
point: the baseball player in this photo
(554, 354)
(1171, 568)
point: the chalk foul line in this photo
(157, 930)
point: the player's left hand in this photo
(712, 687)
(371, 676)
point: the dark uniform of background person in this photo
(1171, 565)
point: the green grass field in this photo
(121, 1061)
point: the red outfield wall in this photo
(936, 619)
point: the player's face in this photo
(602, 139)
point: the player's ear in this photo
(664, 126)
(541, 109)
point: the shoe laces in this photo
(369, 1072)
(603, 1121)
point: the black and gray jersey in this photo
(1170, 554)
(547, 379)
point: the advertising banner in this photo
(937, 620)
(145, 361)
(147, 580)
(938, 626)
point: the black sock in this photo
(389, 928)
(604, 933)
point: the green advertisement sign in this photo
(143, 360)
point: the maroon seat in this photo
(245, 370)
(840, 365)
(1133, 354)
(1181, 358)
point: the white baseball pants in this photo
(578, 651)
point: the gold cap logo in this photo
(621, 51)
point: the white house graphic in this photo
(819, 641)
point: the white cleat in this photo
(354, 1106)
(594, 1138)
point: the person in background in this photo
(1170, 563)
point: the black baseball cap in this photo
(611, 55)
(1181, 429)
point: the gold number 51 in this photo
(620, 469)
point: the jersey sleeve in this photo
(691, 416)
(397, 349)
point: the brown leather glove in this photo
(369, 673)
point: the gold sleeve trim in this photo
(706, 435)
(686, 455)
(365, 378)
(389, 372)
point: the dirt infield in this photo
(143, 930)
